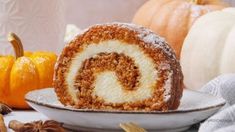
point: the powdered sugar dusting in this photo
(144, 34)
(168, 82)
(150, 37)
(167, 86)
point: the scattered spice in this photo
(36, 126)
(2, 124)
(4, 109)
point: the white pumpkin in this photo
(209, 48)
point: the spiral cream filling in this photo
(106, 85)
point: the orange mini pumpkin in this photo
(172, 19)
(23, 73)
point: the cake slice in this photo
(118, 67)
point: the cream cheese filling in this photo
(106, 84)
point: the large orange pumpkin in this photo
(21, 74)
(173, 18)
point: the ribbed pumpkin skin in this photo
(209, 50)
(26, 73)
(172, 19)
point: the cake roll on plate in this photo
(118, 66)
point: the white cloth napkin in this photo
(223, 121)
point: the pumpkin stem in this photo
(16, 43)
(197, 2)
(205, 2)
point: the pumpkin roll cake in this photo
(118, 66)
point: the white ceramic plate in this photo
(195, 107)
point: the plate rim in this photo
(119, 111)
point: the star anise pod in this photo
(4, 109)
(37, 126)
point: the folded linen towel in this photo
(223, 121)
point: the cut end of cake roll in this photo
(118, 66)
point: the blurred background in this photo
(230, 1)
(87, 12)
(41, 24)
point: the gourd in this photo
(24, 72)
(172, 19)
(209, 48)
